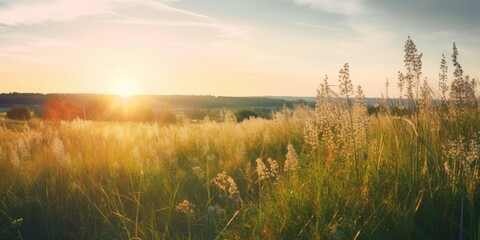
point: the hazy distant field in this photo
(408, 170)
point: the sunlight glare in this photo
(124, 88)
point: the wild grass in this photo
(333, 172)
(123, 180)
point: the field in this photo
(295, 176)
(409, 170)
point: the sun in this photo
(124, 88)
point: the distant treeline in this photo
(240, 114)
(22, 106)
(155, 102)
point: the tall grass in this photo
(86, 179)
(332, 172)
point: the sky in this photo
(227, 47)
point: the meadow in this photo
(408, 171)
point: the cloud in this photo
(163, 6)
(20, 46)
(324, 27)
(370, 33)
(160, 15)
(27, 40)
(354, 25)
(28, 13)
(226, 30)
(344, 7)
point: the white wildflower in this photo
(455, 149)
(220, 181)
(262, 170)
(186, 208)
(227, 185)
(463, 155)
(233, 192)
(274, 169)
(17, 223)
(265, 172)
(311, 134)
(291, 162)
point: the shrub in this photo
(19, 114)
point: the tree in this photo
(245, 114)
(19, 114)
